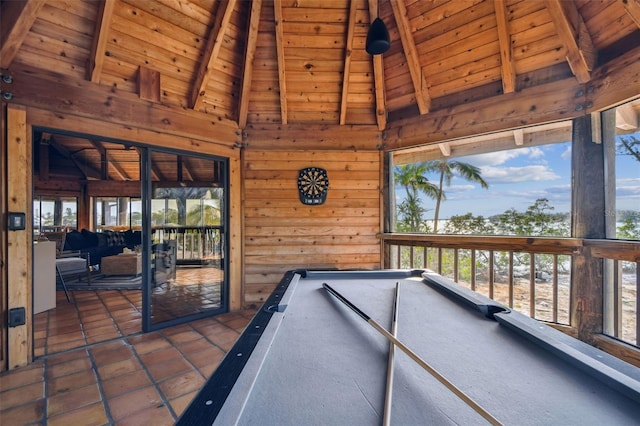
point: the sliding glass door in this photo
(185, 218)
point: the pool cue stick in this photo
(460, 394)
(386, 420)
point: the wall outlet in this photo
(17, 316)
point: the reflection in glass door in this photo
(187, 240)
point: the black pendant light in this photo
(378, 40)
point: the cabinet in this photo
(44, 276)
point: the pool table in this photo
(306, 358)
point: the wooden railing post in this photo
(586, 295)
(588, 222)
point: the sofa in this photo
(101, 244)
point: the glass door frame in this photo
(147, 196)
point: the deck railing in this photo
(194, 244)
(530, 275)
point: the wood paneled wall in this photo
(281, 233)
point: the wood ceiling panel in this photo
(165, 18)
(455, 26)
(480, 45)
(36, 59)
(521, 8)
(433, 15)
(62, 34)
(457, 55)
(55, 50)
(153, 33)
(468, 69)
(127, 49)
(462, 58)
(532, 63)
(197, 10)
(58, 40)
(315, 15)
(469, 81)
(62, 15)
(120, 75)
(617, 25)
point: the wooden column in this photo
(388, 203)
(588, 221)
(236, 234)
(3, 240)
(608, 126)
(19, 199)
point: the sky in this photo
(517, 178)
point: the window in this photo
(626, 206)
(118, 213)
(51, 213)
(511, 183)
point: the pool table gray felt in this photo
(317, 362)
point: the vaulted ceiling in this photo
(304, 61)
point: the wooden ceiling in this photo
(304, 61)
(63, 157)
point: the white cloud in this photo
(628, 192)
(459, 188)
(628, 182)
(501, 157)
(566, 155)
(493, 158)
(497, 175)
(535, 153)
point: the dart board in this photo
(313, 185)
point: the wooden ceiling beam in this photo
(250, 51)
(632, 7)
(40, 89)
(211, 51)
(574, 36)
(351, 24)
(556, 101)
(188, 167)
(445, 149)
(88, 171)
(277, 9)
(420, 85)
(98, 145)
(183, 172)
(507, 67)
(518, 137)
(116, 167)
(99, 43)
(626, 117)
(156, 175)
(104, 159)
(501, 141)
(378, 73)
(527, 107)
(16, 19)
(312, 137)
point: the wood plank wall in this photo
(280, 233)
(19, 199)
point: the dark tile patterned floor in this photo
(95, 367)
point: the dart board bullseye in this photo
(313, 185)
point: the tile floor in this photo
(94, 367)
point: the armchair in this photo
(69, 263)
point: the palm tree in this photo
(412, 178)
(447, 170)
(181, 195)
